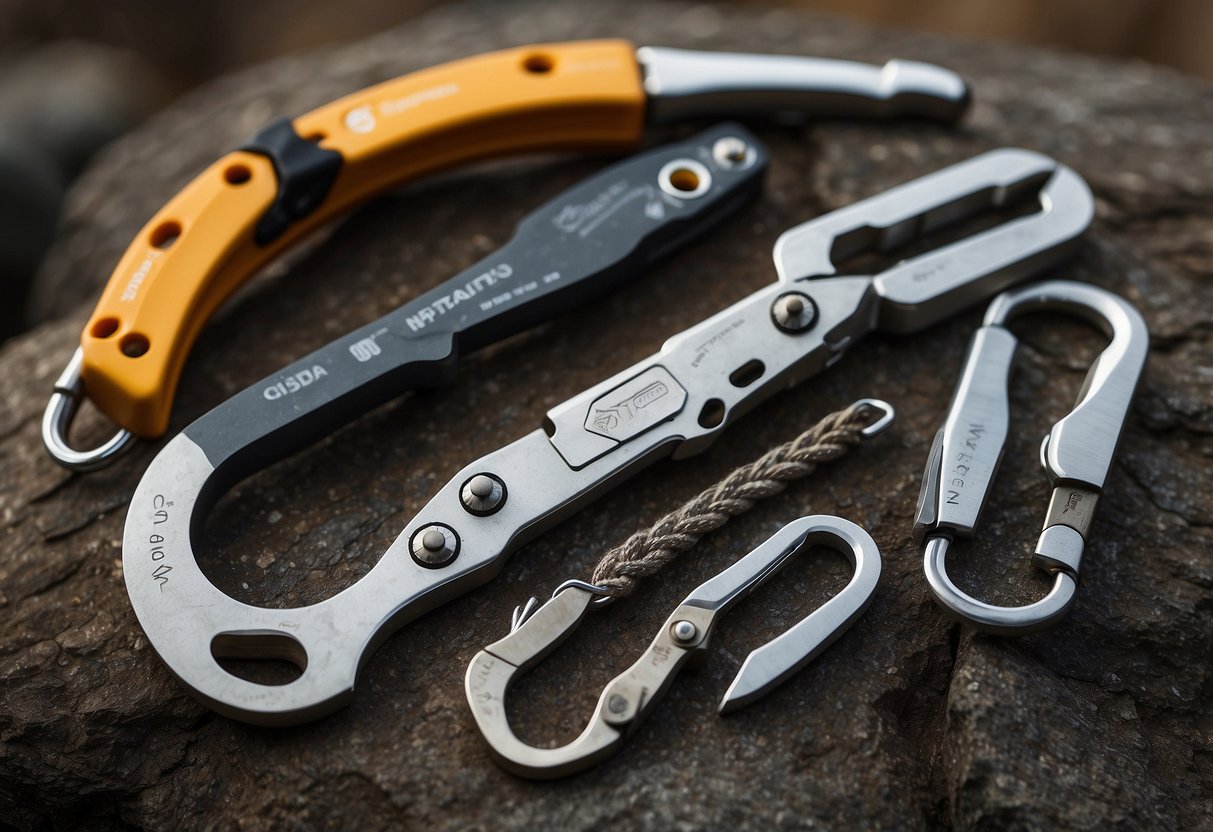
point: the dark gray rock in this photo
(907, 722)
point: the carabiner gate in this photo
(1076, 453)
(57, 421)
(628, 697)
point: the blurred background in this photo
(76, 74)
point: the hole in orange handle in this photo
(105, 327)
(134, 345)
(166, 233)
(538, 64)
(237, 174)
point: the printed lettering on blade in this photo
(962, 463)
(294, 383)
(447, 303)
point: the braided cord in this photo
(647, 551)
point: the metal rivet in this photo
(684, 631)
(794, 312)
(617, 704)
(732, 152)
(482, 494)
(434, 545)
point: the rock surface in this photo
(907, 722)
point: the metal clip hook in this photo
(57, 421)
(629, 696)
(1076, 453)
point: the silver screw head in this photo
(482, 495)
(732, 152)
(684, 631)
(617, 703)
(434, 545)
(794, 312)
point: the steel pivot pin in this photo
(434, 545)
(684, 631)
(482, 494)
(794, 312)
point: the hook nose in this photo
(57, 421)
(991, 618)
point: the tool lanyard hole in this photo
(237, 174)
(712, 413)
(538, 63)
(105, 327)
(165, 234)
(134, 344)
(866, 250)
(262, 658)
(747, 373)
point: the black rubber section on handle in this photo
(305, 174)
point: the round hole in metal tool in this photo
(684, 178)
(434, 545)
(483, 494)
(794, 312)
(733, 152)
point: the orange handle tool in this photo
(256, 202)
(221, 228)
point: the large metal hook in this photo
(629, 696)
(1076, 453)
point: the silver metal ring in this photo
(881, 423)
(57, 421)
(991, 618)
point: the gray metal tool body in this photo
(674, 403)
(627, 698)
(1076, 453)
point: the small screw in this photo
(617, 704)
(434, 545)
(794, 312)
(731, 152)
(482, 495)
(684, 631)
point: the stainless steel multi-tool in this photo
(672, 404)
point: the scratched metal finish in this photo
(907, 722)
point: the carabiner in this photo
(57, 421)
(1076, 453)
(628, 697)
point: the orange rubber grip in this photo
(200, 247)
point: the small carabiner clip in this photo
(1076, 453)
(629, 696)
(57, 421)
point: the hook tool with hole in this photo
(1076, 453)
(674, 403)
(628, 698)
(294, 176)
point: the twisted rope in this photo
(645, 552)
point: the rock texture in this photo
(907, 722)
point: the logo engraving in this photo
(365, 349)
(609, 418)
(962, 464)
(294, 383)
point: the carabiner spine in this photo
(968, 449)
